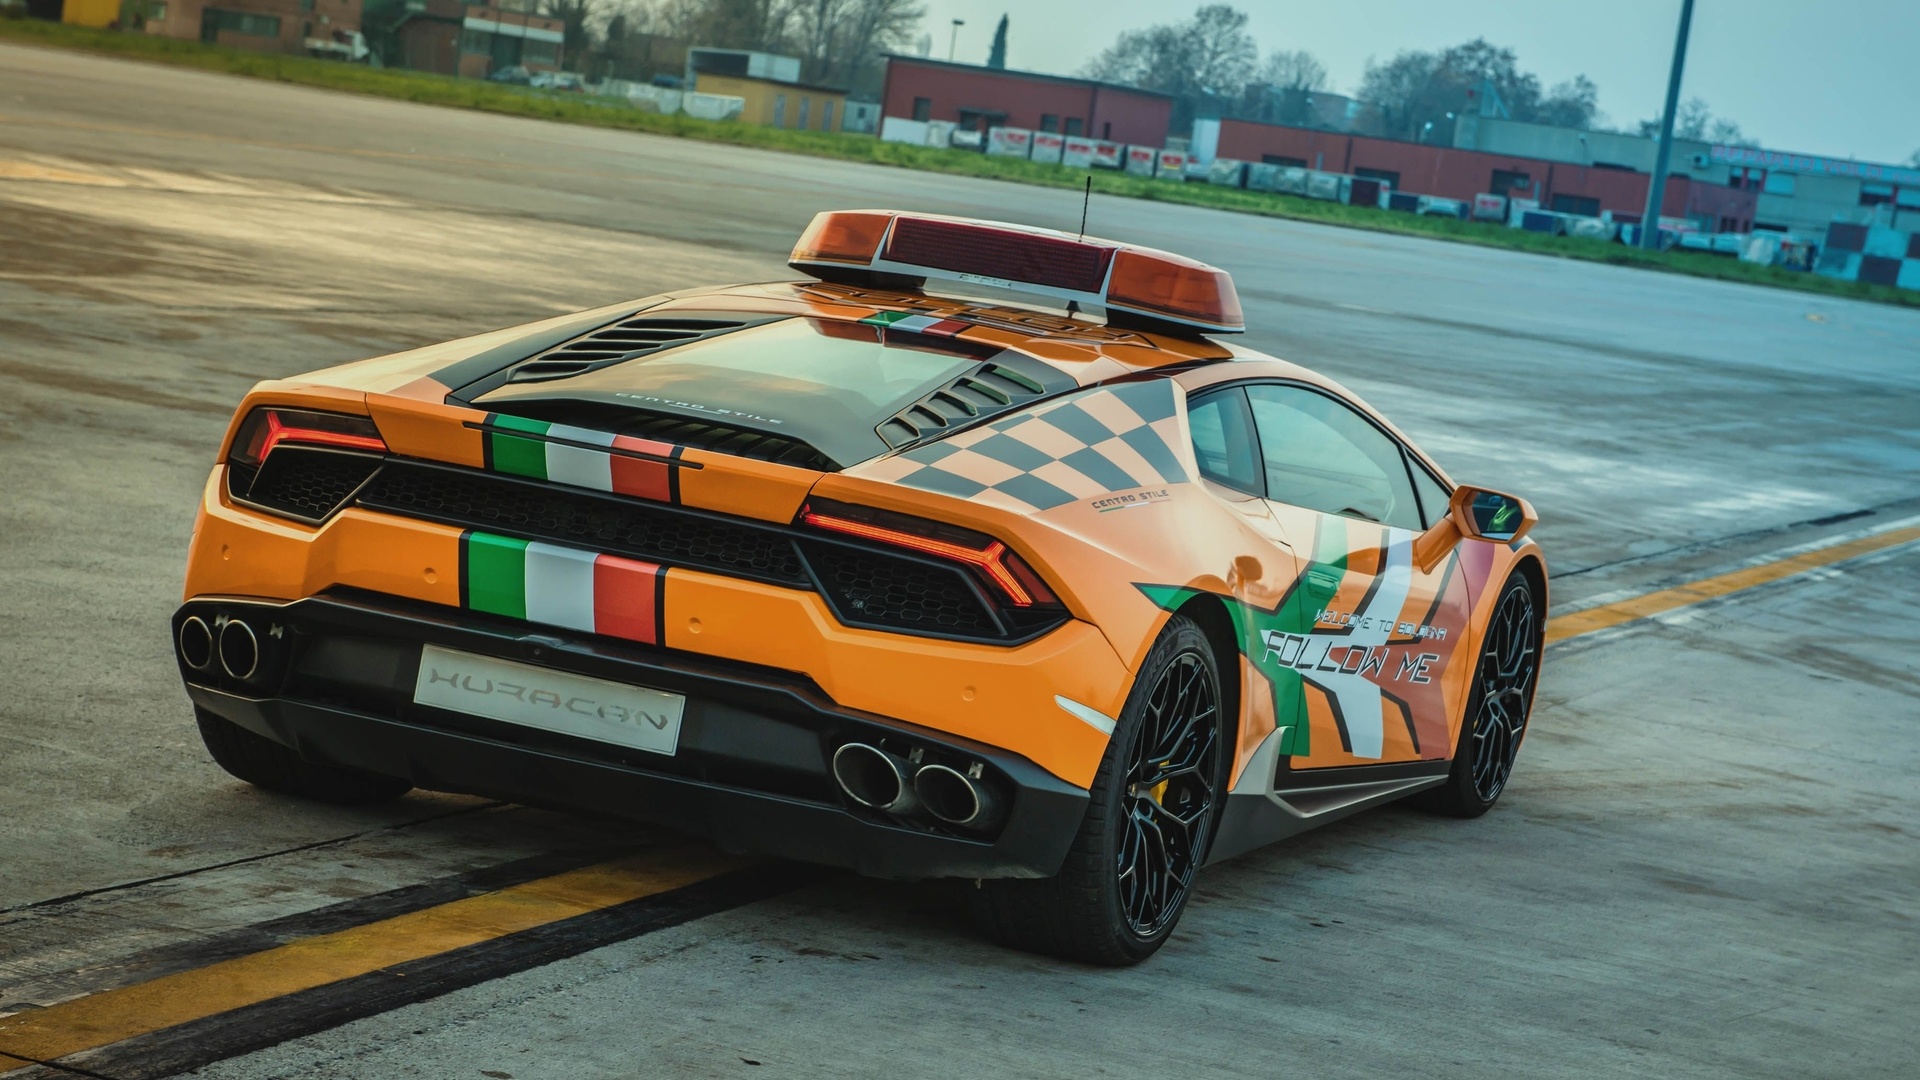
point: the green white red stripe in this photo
(561, 586)
(917, 324)
(597, 460)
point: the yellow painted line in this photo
(171, 1000)
(1655, 603)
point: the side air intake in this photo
(993, 389)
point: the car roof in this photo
(1085, 350)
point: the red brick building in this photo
(288, 26)
(1462, 174)
(454, 37)
(977, 97)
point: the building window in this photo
(1285, 162)
(826, 115)
(806, 112)
(476, 41)
(1076, 126)
(779, 110)
(1583, 205)
(922, 108)
(237, 22)
(1778, 183)
(1875, 194)
(1049, 122)
(1385, 176)
(1507, 181)
(544, 53)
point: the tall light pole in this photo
(954, 37)
(1657, 189)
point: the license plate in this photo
(608, 712)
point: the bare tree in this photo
(1574, 103)
(1293, 69)
(575, 14)
(1205, 62)
(1694, 120)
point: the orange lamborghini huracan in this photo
(974, 554)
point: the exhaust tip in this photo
(239, 650)
(872, 777)
(952, 796)
(195, 643)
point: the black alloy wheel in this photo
(1497, 710)
(1170, 795)
(1151, 813)
(1508, 663)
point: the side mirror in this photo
(1477, 514)
(1490, 515)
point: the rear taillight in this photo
(1009, 579)
(301, 464)
(265, 429)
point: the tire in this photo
(266, 764)
(1127, 876)
(1498, 709)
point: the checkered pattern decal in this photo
(1092, 443)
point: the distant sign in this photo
(1807, 163)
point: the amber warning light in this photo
(1135, 285)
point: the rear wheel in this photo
(1149, 822)
(1497, 713)
(266, 764)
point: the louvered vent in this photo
(726, 439)
(993, 389)
(620, 342)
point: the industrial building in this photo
(457, 38)
(1722, 189)
(771, 103)
(286, 26)
(770, 86)
(980, 98)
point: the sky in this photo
(1838, 78)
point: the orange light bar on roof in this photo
(1132, 284)
(1155, 283)
(848, 236)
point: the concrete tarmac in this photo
(1705, 865)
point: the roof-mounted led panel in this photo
(1131, 283)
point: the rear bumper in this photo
(335, 684)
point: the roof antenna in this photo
(1085, 199)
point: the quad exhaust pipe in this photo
(955, 797)
(195, 643)
(874, 778)
(239, 650)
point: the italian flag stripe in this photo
(562, 586)
(570, 455)
(916, 324)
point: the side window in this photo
(1322, 455)
(1223, 439)
(1433, 497)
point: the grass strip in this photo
(431, 89)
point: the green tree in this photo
(997, 56)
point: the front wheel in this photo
(1149, 822)
(1498, 709)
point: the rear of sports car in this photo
(627, 563)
